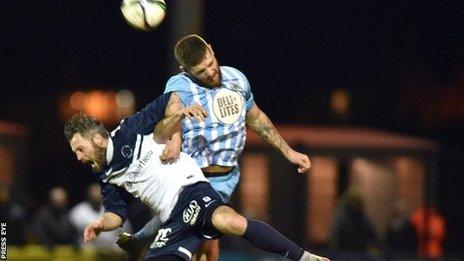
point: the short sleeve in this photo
(180, 85)
(249, 99)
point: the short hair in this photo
(190, 50)
(83, 124)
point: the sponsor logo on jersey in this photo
(135, 173)
(190, 214)
(126, 151)
(227, 106)
(161, 238)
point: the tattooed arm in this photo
(169, 130)
(170, 126)
(262, 125)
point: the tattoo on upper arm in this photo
(264, 128)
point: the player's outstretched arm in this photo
(262, 125)
(109, 221)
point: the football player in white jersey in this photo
(217, 142)
(128, 161)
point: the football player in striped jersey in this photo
(217, 142)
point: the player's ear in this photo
(182, 68)
(98, 139)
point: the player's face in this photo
(88, 152)
(207, 72)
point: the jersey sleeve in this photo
(249, 99)
(180, 85)
(115, 200)
(144, 121)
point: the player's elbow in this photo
(160, 138)
(111, 221)
(160, 135)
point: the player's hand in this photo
(300, 159)
(92, 231)
(194, 111)
(170, 153)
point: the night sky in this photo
(294, 53)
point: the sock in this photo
(148, 232)
(306, 256)
(311, 257)
(267, 238)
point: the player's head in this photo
(88, 139)
(196, 57)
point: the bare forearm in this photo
(259, 122)
(165, 129)
(262, 125)
(171, 123)
(110, 221)
(177, 137)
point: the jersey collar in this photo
(109, 151)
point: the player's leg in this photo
(229, 222)
(148, 233)
(208, 251)
(225, 186)
(134, 244)
(174, 238)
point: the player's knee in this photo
(237, 225)
(229, 222)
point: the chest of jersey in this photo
(225, 105)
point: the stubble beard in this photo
(100, 159)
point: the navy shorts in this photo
(189, 223)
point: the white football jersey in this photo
(157, 184)
(135, 170)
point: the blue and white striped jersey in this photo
(134, 165)
(221, 138)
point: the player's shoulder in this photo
(182, 76)
(178, 82)
(121, 132)
(127, 128)
(234, 79)
(123, 141)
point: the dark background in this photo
(399, 60)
